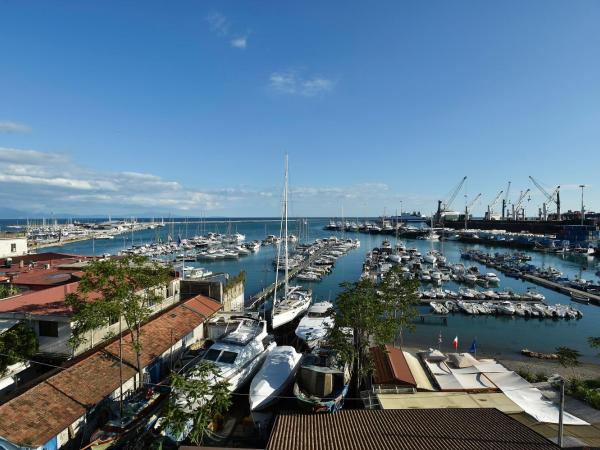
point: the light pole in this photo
(582, 207)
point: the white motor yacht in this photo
(239, 353)
(314, 326)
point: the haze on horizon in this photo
(187, 108)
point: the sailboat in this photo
(295, 300)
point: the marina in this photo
(498, 334)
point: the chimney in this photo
(21, 264)
(47, 266)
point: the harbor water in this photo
(496, 335)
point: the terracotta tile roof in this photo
(391, 367)
(43, 411)
(426, 429)
(50, 301)
(49, 257)
(45, 277)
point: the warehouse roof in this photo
(407, 429)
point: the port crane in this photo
(505, 201)
(554, 197)
(469, 206)
(444, 205)
(517, 209)
(490, 209)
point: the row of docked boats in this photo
(432, 267)
(516, 266)
(247, 354)
(508, 308)
(474, 294)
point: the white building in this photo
(14, 246)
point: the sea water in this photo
(501, 335)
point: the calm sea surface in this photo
(495, 335)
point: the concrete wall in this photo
(13, 247)
(233, 297)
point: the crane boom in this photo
(521, 198)
(454, 193)
(491, 205)
(473, 201)
(444, 205)
(489, 215)
(554, 197)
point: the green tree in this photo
(16, 344)
(568, 358)
(7, 290)
(375, 313)
(116, 289)
(198, 397)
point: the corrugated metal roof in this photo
(425, 429)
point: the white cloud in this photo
(13, 127)
(239, 42)
(218, 23)
(292, 83)
(43, 182)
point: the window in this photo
(227, 357)
(113, 319)
(212, 354)
(13, 248)
(49, 329)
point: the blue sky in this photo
(112, 107)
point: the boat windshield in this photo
(212, 354)
(227, 357)
(317, 314)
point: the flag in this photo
(473, 348)
(455, 343)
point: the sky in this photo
(187, 108)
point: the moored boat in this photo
(275, 375)
(314, 326)
(322, 382)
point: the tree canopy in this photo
(374, 313)
(117, 289)
(16, 344)
(199, 395)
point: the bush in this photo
(586, 391)
(532, 377)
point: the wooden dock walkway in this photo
(263, 294)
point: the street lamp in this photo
(582, 207)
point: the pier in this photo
(567, 290)
(306, 262)
(595, 299)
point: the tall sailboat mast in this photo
(285, 213)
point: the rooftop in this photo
(391, 367)
(50, 301)
(404, 429)
(49, 407)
